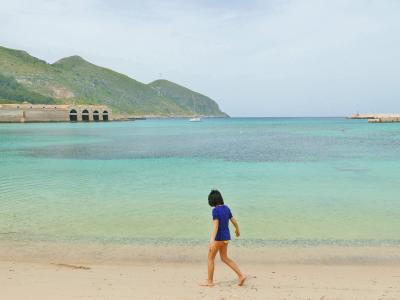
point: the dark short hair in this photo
(215, 198)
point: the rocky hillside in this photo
(75, 80)
(13, 92)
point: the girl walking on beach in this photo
(220, 237)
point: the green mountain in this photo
(75, 80)
(186, 99)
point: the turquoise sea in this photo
(287, 180)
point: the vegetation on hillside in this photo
(73, 79)
(13, 92)
(186, 99)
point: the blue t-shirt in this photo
(223, 214)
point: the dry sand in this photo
(41, 271)
(42, 281)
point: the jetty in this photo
(378, 118)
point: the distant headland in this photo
(74, 81)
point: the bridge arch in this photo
(96, 115)
(105, 115)
(85, 115)
(73, 115)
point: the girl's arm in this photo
(235, 223)
(214, 231)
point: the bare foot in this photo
(208, 283)
(242, 280)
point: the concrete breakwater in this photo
(20, 113)
(378, 118)
(384, 120)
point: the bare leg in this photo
(223, 252)
(212, 252)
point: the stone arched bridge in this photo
(26, 112)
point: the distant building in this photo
(26, 112)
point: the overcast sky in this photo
(255, 58)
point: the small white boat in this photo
(196, 119)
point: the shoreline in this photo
(113, 253)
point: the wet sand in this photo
(114, 253)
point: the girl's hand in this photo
(211, 245)
(237, 232)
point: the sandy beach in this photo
(22, 280)
(66, 271)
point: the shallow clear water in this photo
(287, 180)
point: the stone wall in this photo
(38, 115)
(11, 115)
(19, 113)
